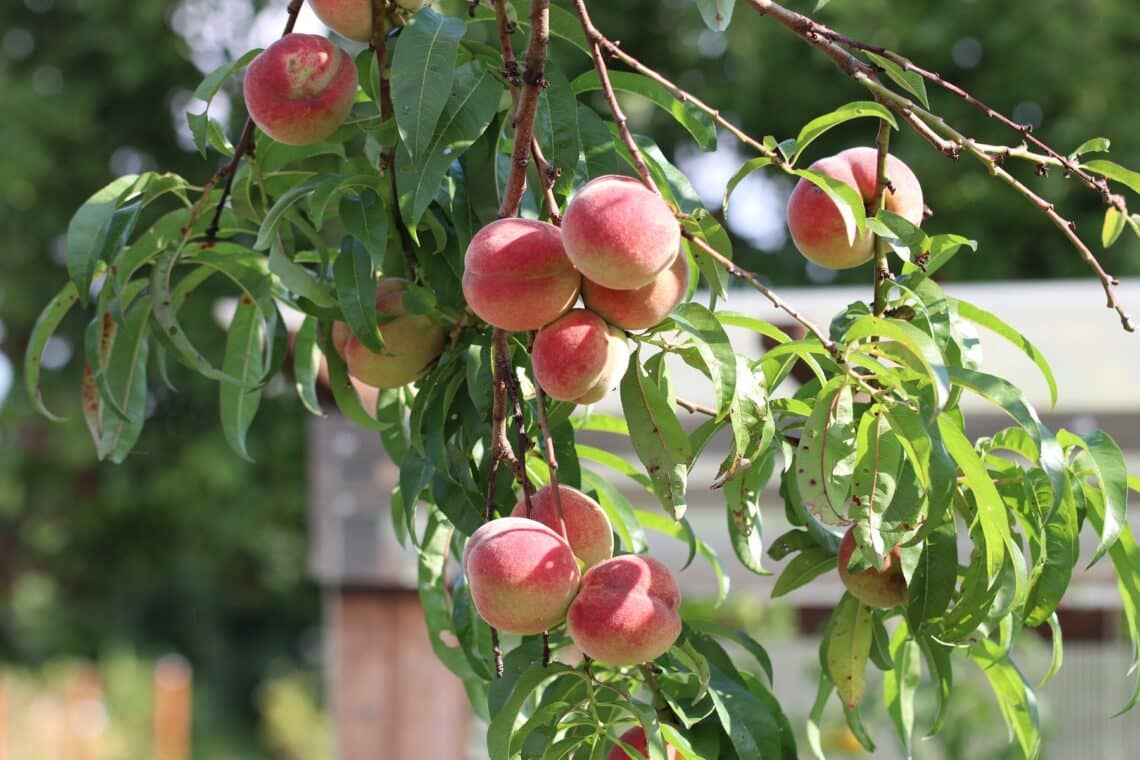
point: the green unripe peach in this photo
(299, 89)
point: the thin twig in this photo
(882, 187)
(534, 81)
(506, 28)
(547, 174)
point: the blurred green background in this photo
(185, 547)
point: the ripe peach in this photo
(578, 357)
(619, 233)
(626, 611)
(300, 88)
(876, 588)
(643, 307)
(814, 220)
(516, 274)
(635, 737)
(522, 575)
(411, 341)
(351, 19)
(587, 528)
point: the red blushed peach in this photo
(522, 575)
(300, 88)
(411, 341)
(351, 19)
(814, 220)
(635, 737)
(619, 233)
(516, 275)
(588, 529)
(578, 357)
(876, 588)
(643, 307)
(626, 611)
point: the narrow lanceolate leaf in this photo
(1059, 549)
(1114, 222)
(908, 80)
(991, 509)
(742, 499)
(815, 717)
(502, 725)
(297, 278)
(847, 641)
(1058, 656)
(46, 324)
(126, 369)
(1106, 463)
(306, 365)
(355, 281)
(698, 123)
(1015, 698)
(716, 13)
(267, 231)
(928, 359)
(821, 124)
(900, 684)
(825, 456)
(165, 306)
(937, 657)
(878, 462)
(421, 75)
(1125, 556)
(657, 436)
(88, 229)
(805, 567)
(1116, 172)
(845, 198)
(366, 219)
(713, 345)
(558, 117)
(243, 359)
(994, 323)
(932, 583)
(740, 174)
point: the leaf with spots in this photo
(825, 456)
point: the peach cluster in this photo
(619, 249)
(523, 573)
(814, 220)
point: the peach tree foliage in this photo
(437, 145)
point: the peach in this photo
(351, 19)
(588, 529)
(876, 588)
(411, 341)
(626, 611)
(578, 357)
(619, 233)
(522, 575)
(516, 275)
(814, 220)
(300, 88)
(635, 737)
(643, 307)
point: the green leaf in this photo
(1058, 552)
(991, 509)
(421, 72)
(815, 717)
(825, 454)
(716, 13)
(88, 232)
(165, 314)
(738, 176)
(243, 359)
(713, 345)
(932, 584)
(994, 324)
(805, 567)
(558, 119)
(502, 726)
(126, 371)
(878, 463)
(846, 199)
(473, 101)
(1015, 698)
(1058, 650)
(846, 647)
(698, 123)
(910, 81)
(306, 365)
(1106, 462)
(366, 219)
(657, 436)
(1113, 225)
(215, 79)
(1115, 171)
(821, 124)
(744, 517)
(297, 278)
(937, 657)
(1092, 145)
(900, 684)
(46, 324)
(355, 280)
(267, 231)
(918, 343)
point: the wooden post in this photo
(389, 695)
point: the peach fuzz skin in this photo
(644, 307)
(411, 341)
(587, 528)
(626, 611)
(516, 275)
(619, 233)
(578, 357)
(635, 737)
(351, 19)
(876, 588)
(815, 223)
(300, 89)
(522, 575)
